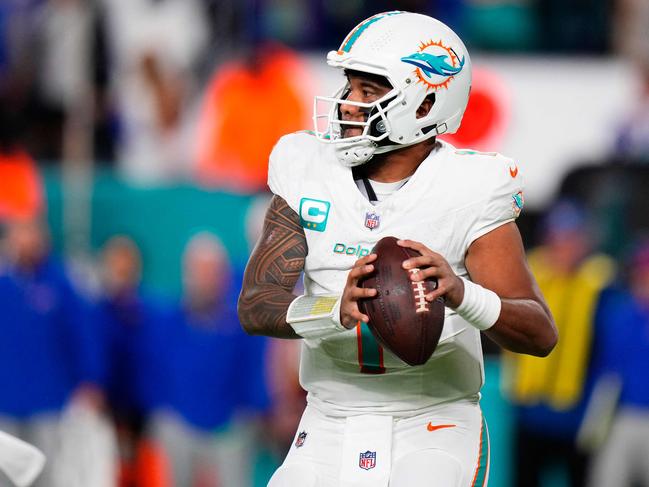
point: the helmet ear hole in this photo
(426, 105)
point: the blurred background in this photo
(134, 138)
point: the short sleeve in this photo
(505, 201)
(286, 167)
(275, 162)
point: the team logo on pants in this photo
(367, 460)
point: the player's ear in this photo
(426, 105)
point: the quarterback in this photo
(373, 167)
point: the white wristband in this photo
(315, 316)
(480, 306)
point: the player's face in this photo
(361, 89)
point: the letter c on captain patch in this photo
(314, 214)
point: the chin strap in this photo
(352, 154)
(355, 153)
(360, 152)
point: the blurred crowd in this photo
(156, 87)
(122, 387)
(585, 409)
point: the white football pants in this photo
(445, 446)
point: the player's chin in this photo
(348, 132)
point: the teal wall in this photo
(160, 220)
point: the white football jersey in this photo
(454, 197)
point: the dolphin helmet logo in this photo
(432, 64)
(435, 63)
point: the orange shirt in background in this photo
(21, 188)
(247, 108)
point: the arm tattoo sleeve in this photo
(272, 271)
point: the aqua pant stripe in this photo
(482, 467)
(370, 353)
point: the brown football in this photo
(400, 317)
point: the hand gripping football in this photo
(399, 316)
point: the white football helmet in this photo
(419, 56)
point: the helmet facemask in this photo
(376, 128)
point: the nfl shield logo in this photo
(367, 460)
(372, 220)
(301, 438)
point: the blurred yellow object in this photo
(558, 379)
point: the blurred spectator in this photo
(66, 31)
(21, 192)
(632, 42)
(18, 28)
(624, 330)
(155, 46)
(631, 18)
(213, 376)
(632, 144)
(49, 47)
(72, 81)
(288, 399)
(227, 36)
(64, 76)
(550, 394)
(127, 317)
(248, 105)
(48, 351)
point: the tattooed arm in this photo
(272, 271)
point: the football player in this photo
(373, 167)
